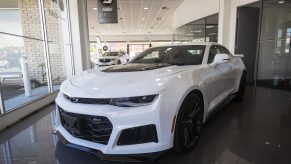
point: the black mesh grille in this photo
(92, 128)
(87, 100)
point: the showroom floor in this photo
(255, 131)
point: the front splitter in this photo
(146, 157)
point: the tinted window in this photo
(193, 54)
(178, 55)
(212, 52)
(223, 50)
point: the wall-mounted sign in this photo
(107, 11)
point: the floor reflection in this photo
(255, 131)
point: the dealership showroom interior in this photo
(152, 81)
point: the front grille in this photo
(91, 128)
(87, 100)
(104, 60)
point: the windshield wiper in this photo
(178, 64)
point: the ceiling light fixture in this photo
(146, 8)
(95, 8)
(143, 18)
(197, 31)
(281, 2)
(141, 25)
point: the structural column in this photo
(80, 35)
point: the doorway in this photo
(247, 37)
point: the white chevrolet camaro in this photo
(157, 101)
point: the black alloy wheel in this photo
(189, 124)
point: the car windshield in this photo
(111, 54)
(174, 55)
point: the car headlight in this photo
(134, 101)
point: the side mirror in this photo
(220, 59)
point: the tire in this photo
(119, 62)
(189, 123)
(242, 88)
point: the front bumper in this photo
(121, 119)
(112, 62)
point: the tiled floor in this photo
(255, 131)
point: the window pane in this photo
(59, 42)
(22, 65)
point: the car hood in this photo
(128, 81)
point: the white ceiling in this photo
(135, 17)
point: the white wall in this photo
(80, 35)
(191, 10)
(133, 37)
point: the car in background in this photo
(4, 64)
(159, 100)
(112, 58)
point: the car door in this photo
(231, 67)
(218, 84)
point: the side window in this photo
(193, 54)
(224, 50)
(212, 52)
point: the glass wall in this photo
(274, 65)
(58, 39)
(24, 64)
(21, 54)
(202, 30)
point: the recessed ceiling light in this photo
(95, 8)
(143, 18)
(281, 2)
(146, 8)
(141, 25)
